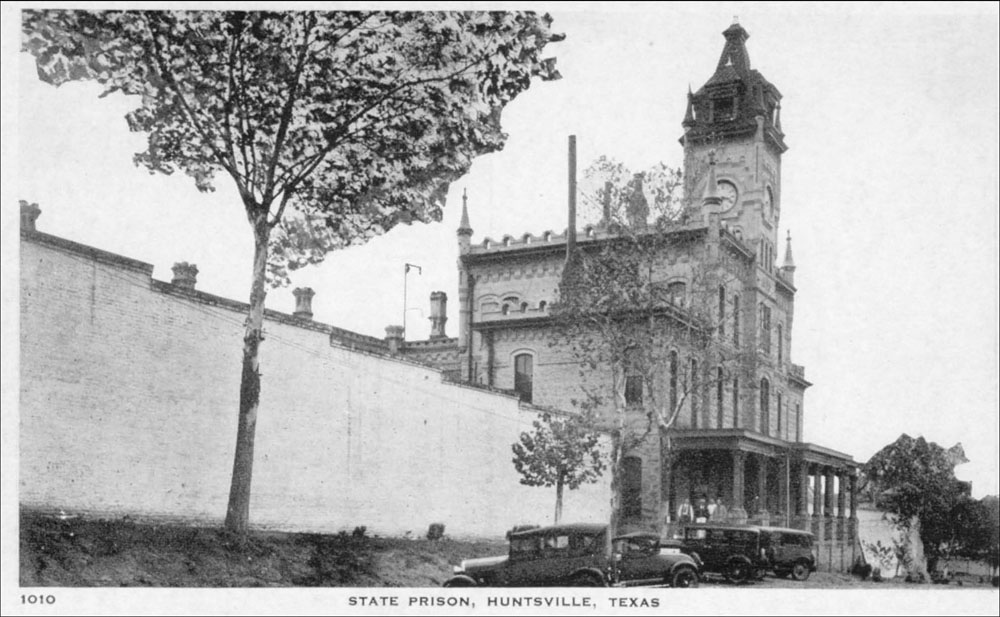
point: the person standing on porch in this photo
(685, 513)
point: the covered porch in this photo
(740, 476)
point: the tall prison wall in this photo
(129, 395)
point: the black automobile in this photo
(576, 555)
(743, 552)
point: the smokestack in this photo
(439, 313)
(303, 302)
(571, 231)
(607, 203)
(185, 275)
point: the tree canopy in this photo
(335, 126)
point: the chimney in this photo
(638, 207)
(29, 214)
(439, 313)
(303, 302)
(571, 230)
(394, 338)
(185, 275)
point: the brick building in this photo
(737, 440)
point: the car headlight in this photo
(459, 569)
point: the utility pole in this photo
(406, 271)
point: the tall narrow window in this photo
(798, 423)
(736, 321)
(633, 378)
(781, 425)
(673, 382)
(765, 398)
(781, 345)
(632, 487)
(695, 393)
(736, 402)
(765, 328)
(719, 395)
(523, 369)
(722, 311)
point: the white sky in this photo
(890, 188)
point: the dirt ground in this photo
(76, 552)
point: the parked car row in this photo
(577, 555)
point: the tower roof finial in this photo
(689, 114)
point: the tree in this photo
(647, 345)
(334, 126)
(561, 451)
(914, 480)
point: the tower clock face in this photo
(728, 192)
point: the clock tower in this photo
(736, 118)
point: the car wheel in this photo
(800, 571)
(738, 571)
(459, 581)
(684, 578)
(587, 580)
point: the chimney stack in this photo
(185, 275)
(607, 204)
(303, 302)
(394, 338)
(29, 214)
(439, 313)
(571, 230)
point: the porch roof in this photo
(743, 440)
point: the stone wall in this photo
(129, 392)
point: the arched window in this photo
(695, 392)
(631, 487)
(673, 381)
(736, 402)
(633, 378)
(524, 375)
(676, 292)
(765, 328)
(722, 311)
(719, 395)
(505, 309)
(524, 307)
(542, 305)
(765, 399)
(736, 321)
(781, 425)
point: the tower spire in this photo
(789, 261)
(464, 229)
(689, 114)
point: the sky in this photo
(890, 190)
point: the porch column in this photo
(854, 496)
(739, 459)
(841, 494)
(818, 491)
(802, 505)
(762, 484)
(784, 480)
(828, 502)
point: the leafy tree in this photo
(334, 126)
(561, 451)
(914, 480)
(647, 349)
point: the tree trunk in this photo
(238, 510)
(616, 458)
(559, 498)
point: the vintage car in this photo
(576, 555)
(742, 552)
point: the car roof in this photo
(638, 534)
(724, 526)
(801, 532)
(592, 528)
